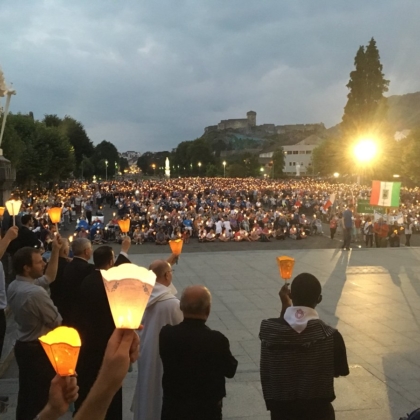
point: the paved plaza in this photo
(371, 296)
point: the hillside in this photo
(404, 111)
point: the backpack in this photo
(415, 415)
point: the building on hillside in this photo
(298, 156)
(251, 121)
(130, 155)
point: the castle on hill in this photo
(251, 121)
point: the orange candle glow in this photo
(124, 225)
(176, 246)
(54, 213)
(285, 265)
(62, 346)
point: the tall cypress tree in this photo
(366, 105)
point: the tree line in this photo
(55, 149)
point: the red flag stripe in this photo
(376, 189)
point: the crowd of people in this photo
(182, 364)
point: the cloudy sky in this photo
(148, 74)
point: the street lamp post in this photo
(106, 170)
(154, 169)
(199, 167)
(364, 151)
(224, 169)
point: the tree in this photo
(123, 164)
(365, 110)
(411, 157)
(52, 120)
(105, 151)
(236, 171)
(278, 163)
(144, 162)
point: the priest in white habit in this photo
(162, 309)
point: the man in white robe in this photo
(162, 309)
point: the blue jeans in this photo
(347, 237)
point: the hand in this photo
(285, 296)
(122, 349)
(63, 391)
(12, 233)
(57, 242)
(125, 244)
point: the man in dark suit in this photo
(25, 236)
(196, 361)
(73, 275)
(96, 325)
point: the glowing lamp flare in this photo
(62, 347)
(285, 265)
(365, 150)
(128, 288)
(54, 213)
(124, 225)
(2, 211)
(176, 246)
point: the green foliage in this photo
(278, 163)
(366, 108)
(236, 170)
(211, 170)
(105, 151)
(123, 164)
(411, 156)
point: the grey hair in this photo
(79, 245)
(197, 306)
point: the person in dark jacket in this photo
(196, 360)
(96, 326)
(300, 356)
(25, 236)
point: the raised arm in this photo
(10, 235)
(51, 271)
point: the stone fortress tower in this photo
(252, 118)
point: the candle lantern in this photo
(54, 213)
(128, 288)
(62, 346)
(124, 225)
(176, 246)
(285, 265)
(2, 211)
(13, 208)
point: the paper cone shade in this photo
(124, 225)
(128, 288)
(13, 207)
(54, 214)
(286, 265)
(2, 211)
(176, 246)
(62, 346)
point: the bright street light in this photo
(106, 170)
(224, 169)
(365, 150)
(199, 167)
(336, 174)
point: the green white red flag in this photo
(385, 194)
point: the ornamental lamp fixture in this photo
(62, 346)
(128, 288)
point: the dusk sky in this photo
(147, 75)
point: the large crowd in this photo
(206, 209)
(182, 364)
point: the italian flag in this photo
(330, 202)
(385, 194)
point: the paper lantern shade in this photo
(54, 214)
(176, 246)
(124, 225)
(2, 211)
(13, 207)
(128, 288)
(286, 265)
(62, 346)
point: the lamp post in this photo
(154, 169)
(8, 92)
(106, 170)
(261, 170)
(224, 169)
(364, 151)
(199, 167)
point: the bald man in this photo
(196, 360)
(162, 309)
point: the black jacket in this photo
(196, 361)
(25, 238)
(74, 273)
(95, 325)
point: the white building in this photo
(297, 155)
